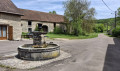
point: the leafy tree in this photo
(58, 30)
(50, 12)
(53, 12)
(36, 28)
(99, 28)
(118, 12)
(108, 23)
(116, 32)
(118, 18)
(81, 16)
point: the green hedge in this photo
(58, 30)
(116, 32)
(98, 28)
(24, 33)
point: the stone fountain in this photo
(38, 50)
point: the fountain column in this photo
(37, 39)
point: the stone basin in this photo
(27, 52)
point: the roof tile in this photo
(41, 16)
(7, 6)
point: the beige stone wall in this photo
(12, 20)
(16, 22)
(34, 23)
(24, 26)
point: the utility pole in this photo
(107, 27)
(115, 18)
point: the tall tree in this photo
(53, 12)
(118, 16)
(82, 17)
(118, 12)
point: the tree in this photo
(36, 28)
(118, 17)
(118, 12)
(82, 16)
(53, 12)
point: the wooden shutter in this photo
(10, 32)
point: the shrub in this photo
(58, 30)
(116, 32)
(101, 28)
(98, 28)
(36, 28)
(84, 33)
(24, 33)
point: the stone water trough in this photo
(38, 50)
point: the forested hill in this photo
(110, 20)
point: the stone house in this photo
(14, 21)
(43, 20)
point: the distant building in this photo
(14, 21)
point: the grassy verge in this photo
(108, 35)
(92, 35)
(23, 33)
(111, 36)
(7, 67)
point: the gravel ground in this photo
(96, 54)
(23, 64)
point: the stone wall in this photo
(12, 20)
(34, 23)
(20, 26)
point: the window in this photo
(40, 26)
(0, 32)
(45, 28)
(29, 23)
(21, 24)
(54, 25)
(4, 31)
(29, 30)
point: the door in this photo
(3, 32)
(10, 32)
(45, 28)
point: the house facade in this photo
(14, 21)
(43, 20)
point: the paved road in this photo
(96, 54)
(7, 47)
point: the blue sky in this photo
(57, 5)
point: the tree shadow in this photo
(112, 59)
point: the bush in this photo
(83, 33)
(98, 28)
(24, 33)
(36, 28)
(116, 32)
(58, 30)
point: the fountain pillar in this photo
(37, 39)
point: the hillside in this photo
(110, 20)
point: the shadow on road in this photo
(112, 59)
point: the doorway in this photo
(45, 28)
(3, 32)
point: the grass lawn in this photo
(23, 33)
(92, 35)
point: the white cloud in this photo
(50, 5)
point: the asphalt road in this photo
(96, 54)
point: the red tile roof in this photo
(41, 16)
(7, 6)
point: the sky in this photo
(102, 12)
